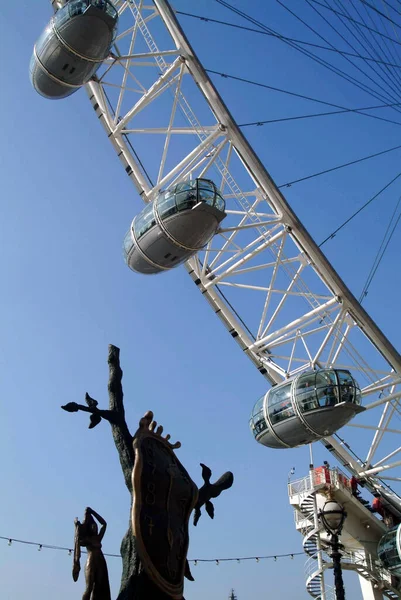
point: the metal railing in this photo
(321, 477)
(299, 486)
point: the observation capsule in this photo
(305, 408)
(72, 47)
(389, 550)
(173, 227)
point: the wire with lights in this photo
(195, 561)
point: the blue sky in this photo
(65, 206)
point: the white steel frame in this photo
(263, 275)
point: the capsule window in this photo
(220, 203)
(387, 550)
(65, 67)
(347, 390)
(258, 421)
(78, 7)
(166, 205)
(111, 10)
(259, 425)
(306, 392)
(144, 221)
(62, 16)
(326, 388)
(345, 378)
(206, 196)
(186, 186)
(188, 194)
(43, 41)
(358, 394)
(204, 184)
(279, 402)
(258, 406)
(127, 245)
(186, 199)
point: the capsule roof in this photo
(78, 7)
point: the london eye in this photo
(211, 205)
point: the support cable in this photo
(393, 97)
(310, 55)
(380, 12)
(392, 7)
(333, 234)
(328, 7)
(389, 49)
(360, 33)
(381, 251)
(290, 183)
(352, 162)
(375, 40)
(303, 97)
(396, 50)
(313, 115)
(283, 37)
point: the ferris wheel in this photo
(211, 205)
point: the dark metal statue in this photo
(154, 549)
(87, 534)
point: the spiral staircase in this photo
(306, 522)
(303, 495)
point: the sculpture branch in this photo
(108, 415)
(211, 490)
(116, 394)
(121, 434)
(115, 415)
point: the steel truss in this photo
(263, 275)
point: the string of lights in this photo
(195, 561)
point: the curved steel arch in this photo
(263, 275)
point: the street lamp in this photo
(333, 516)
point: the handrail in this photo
(321, 476)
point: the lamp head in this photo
(333, 516)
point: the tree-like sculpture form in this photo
(162, 497)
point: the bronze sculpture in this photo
(163, 496)
(87, 534)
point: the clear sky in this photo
(66, 294)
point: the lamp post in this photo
(333, 516)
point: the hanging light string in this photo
(243, 558)
(195, 561)
(46, 546)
